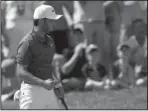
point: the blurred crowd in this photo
(99, 44)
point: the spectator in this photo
(141, 74)
(18, 17)
(78, 37)
(78, 34)
(134, 10)
(113, 20)
(71, 71)
(123, 73)
(8, 67)
(10, 82)
(137, 42)
(141, 70)
(93, 70)
(93, 20)
(8, 70)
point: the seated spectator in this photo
(9, 80)
(137, 34)
(71, 74)
(93, 70)
(141, 72)
(8, 67)
(141, 76)
(74, 59)
(123, 73)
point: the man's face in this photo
(113, 19)
(125, 52)
(47, 25)
(20, 8)
(94, 57)
(78, 37)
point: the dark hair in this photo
(110, 19)
(78, 30)
(136, 21)
(124, 46)
(36, 22)
(94, 50)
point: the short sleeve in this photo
(23, 56)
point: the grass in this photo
(135, 98)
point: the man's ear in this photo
(41, 22)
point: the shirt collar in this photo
(44, 39)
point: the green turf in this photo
(135, 98)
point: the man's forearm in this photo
(67, 67)
(28, 77)
(31, 79)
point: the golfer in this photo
(39, 88)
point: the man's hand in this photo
(79, 49)
(50, 84)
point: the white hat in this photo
(45, 11)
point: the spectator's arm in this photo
(58, 61)
(67, 16)
(68, 66)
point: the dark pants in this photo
(73, 83)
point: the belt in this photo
(56, 86)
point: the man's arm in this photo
(23, 59)
(24, 75)
(68, 66)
